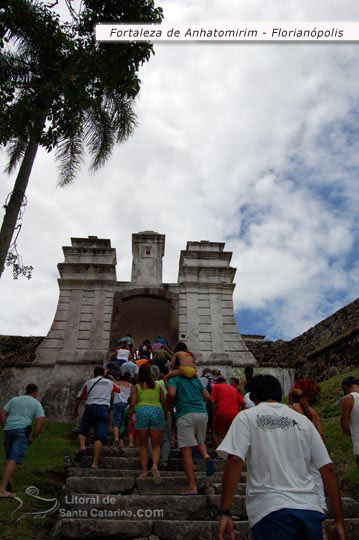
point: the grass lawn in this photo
(42, 468)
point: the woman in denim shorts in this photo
(149, 400)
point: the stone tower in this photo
(206, 314)
(148, 248)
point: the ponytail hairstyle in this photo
(297, 396)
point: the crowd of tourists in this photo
(155, 398)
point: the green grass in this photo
(339, 445)
(43, 468)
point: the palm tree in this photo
(58, 90)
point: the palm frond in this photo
(99, 136)
(124, 118)
(16, 66)
(15, 150)
(69, 155)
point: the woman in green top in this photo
(149, 400)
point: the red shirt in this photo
(227, 399)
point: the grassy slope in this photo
(43, 468)
(339, 445)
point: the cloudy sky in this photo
(253, 144)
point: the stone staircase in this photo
(111, 502)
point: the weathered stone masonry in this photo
(94, 310)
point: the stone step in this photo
(122, 473)
(126, 485)
(195, 508)
(137, 528)
(114, 451)
(174, 464)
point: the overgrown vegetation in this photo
(339, 445)
(42, 468)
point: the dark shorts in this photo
(222, 422)
(118, 413)
(96, 417)
(16, 443)
(288, 523)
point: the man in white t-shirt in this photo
(350, 412)
(279, 445)
(97, 394)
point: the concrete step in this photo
(137, 528)
(195, 508)
(170, 485)
(174, 464)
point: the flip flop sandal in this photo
(156, 475)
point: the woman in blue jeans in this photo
(120, 402)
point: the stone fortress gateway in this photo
(95, 310)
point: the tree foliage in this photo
(62, 90)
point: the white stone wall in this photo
(206, 314)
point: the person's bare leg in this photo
(202, 449)
(143, 436)
(189, 470)
(82, 441)
(9, 470)
(116, 432)
(97, 447)
(216, 439)
(156, 439)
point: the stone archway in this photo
(145, 313)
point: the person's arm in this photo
(3, 417)
(38, 427)
(173, 361)
(241, 402)
(116, 389)
(206, 395)
(172, 390)
(163, 403)
(317, 423)
(133, 401)
(80, 397)
(347, 406)
(332, 490)
(231, 477)
(242, 384)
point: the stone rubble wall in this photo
(327, 348)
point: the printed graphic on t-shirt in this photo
(272, 421)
